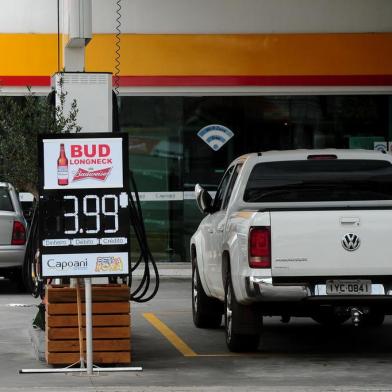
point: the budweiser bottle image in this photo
(62, 167)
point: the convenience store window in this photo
(168, 157)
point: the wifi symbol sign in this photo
(215, 135)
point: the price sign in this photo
(83, 205)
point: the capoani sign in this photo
(80, 264)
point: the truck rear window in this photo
(5, 200)
(319, 180)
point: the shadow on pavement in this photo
(10, 287)
(308, 337)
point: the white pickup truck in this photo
(294, 233)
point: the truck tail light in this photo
(322, 157)
(18, 234)
(260, 247)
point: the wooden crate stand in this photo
(111, 325)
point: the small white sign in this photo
(215, 135)
(85, 264)
(26, 196)
(81, 163)
(84, 241)
(57, 242)
(159, 196)
(113, 241)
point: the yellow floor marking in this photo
(181, 346)
(170, 335)
(171, 311)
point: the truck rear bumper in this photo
(260, 289)
(11, 256)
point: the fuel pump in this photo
(70, 235)
(144, 290)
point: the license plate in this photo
(349, 287)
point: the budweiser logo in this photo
(100, 174)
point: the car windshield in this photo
(5, 200)
(320, 180)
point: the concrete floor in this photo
(299, 356)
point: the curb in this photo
(168, 270)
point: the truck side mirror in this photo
(203, 199)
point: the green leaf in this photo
(22, 119)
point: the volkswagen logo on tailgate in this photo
(351, 242)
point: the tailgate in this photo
(331, 242)
(6, 225)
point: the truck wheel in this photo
(207, 311)
(242, 326)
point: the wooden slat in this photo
(98, 345)
(98, 308)
(119, 320)
(80, 321)
(106, 293)
(98, 358)
(98, 333)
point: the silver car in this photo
(13, 233)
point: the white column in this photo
(77, 33)
(89, 326)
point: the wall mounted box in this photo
(93, 95)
